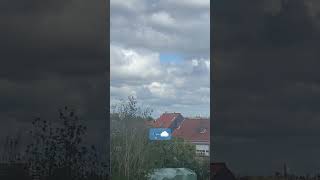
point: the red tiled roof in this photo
(194, 130)
(165, 120)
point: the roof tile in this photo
(194, 130)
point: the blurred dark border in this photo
(31, 62)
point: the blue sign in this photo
(160, 134)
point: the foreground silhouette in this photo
(57, 152)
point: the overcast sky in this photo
(266, 70)
(159, 52)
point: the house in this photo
(168, 120)
(196, 131)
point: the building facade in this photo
(194, 130)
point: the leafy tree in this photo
(128, 140)
(133, 156)
(178, 153)
(172, 154)
(59, 149)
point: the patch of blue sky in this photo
(171, 58)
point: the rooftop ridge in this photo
(197, 117)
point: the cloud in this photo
(163, 86)
(128, 63)
(164, 134)
(131, 5)
(188, 5)
(163, 18)
(121, 91)
(161, 90)
(163, 26)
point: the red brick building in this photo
(196, 131)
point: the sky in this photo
(160, 53)
(266, 85)
(265, 58)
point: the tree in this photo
(129, 140)
(134, 156)
(58, 148)
(178, 153)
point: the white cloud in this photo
(161, 90)
(129, 5)
(163, 18)
(147, 35)
(138, 37)
(164, 134)
(180, 87)
(207, 62)
(123, 90)
(195, 62)
(128, 63)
